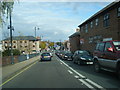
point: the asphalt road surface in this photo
(62, 74)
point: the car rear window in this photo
(117, 45)
(46, 54)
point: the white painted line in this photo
(73, 69)
(60, 63)
(95, 84)
(70, 72)
(76, 77)
(77, 73)
(81, 76)
(87, 84)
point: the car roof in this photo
(46, 53)
(110, 41)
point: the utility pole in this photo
(11, 28)
(35, 37)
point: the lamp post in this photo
(11, 28)
(36, 28)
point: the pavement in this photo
(9, 70)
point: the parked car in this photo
(82, 57)
(68, 55)
(107, 56)
(45, 56)
(61, 53)
(57, 52)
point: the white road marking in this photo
(87, 84)
(60, 63)
(83, 81)
(95, 84)
(76, 77)
(70, 72)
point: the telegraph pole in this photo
(36, 28)
(11, 28)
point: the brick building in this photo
(105, 24)
(74, 40)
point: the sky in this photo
(56, 20)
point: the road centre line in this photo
(17, 74)
(91, 82)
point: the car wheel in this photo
(96, 66)
(74, 61)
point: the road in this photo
(62, 74)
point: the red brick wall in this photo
(7, 60)
(74, 43)
(112, 31)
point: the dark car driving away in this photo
(45, 57)
(82, 57)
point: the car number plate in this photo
(45, 56)
(89, 62)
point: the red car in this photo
(107, 56)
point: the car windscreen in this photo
(69, 54)
(117, 45)
(83, 53)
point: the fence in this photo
(7, 60)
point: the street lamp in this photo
(11, 28)
(36, 28)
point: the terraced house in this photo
(26, 44)
(104, 25)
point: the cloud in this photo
(56, 20)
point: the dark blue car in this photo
(45, 57)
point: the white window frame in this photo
(96, 21)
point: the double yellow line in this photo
(17, 74)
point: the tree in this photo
(5, 8)
(51, 44)
(7, 52)
(59, 43)
(42, 45)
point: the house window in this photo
(91, 24)
(96, 21)
(82, 29)
(33, 45)
(14, 46)
(20, 41)
(86, 28)
(25, 41)
(14, 41)
(106, 20)
(118, 11)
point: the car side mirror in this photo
(110, 49)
